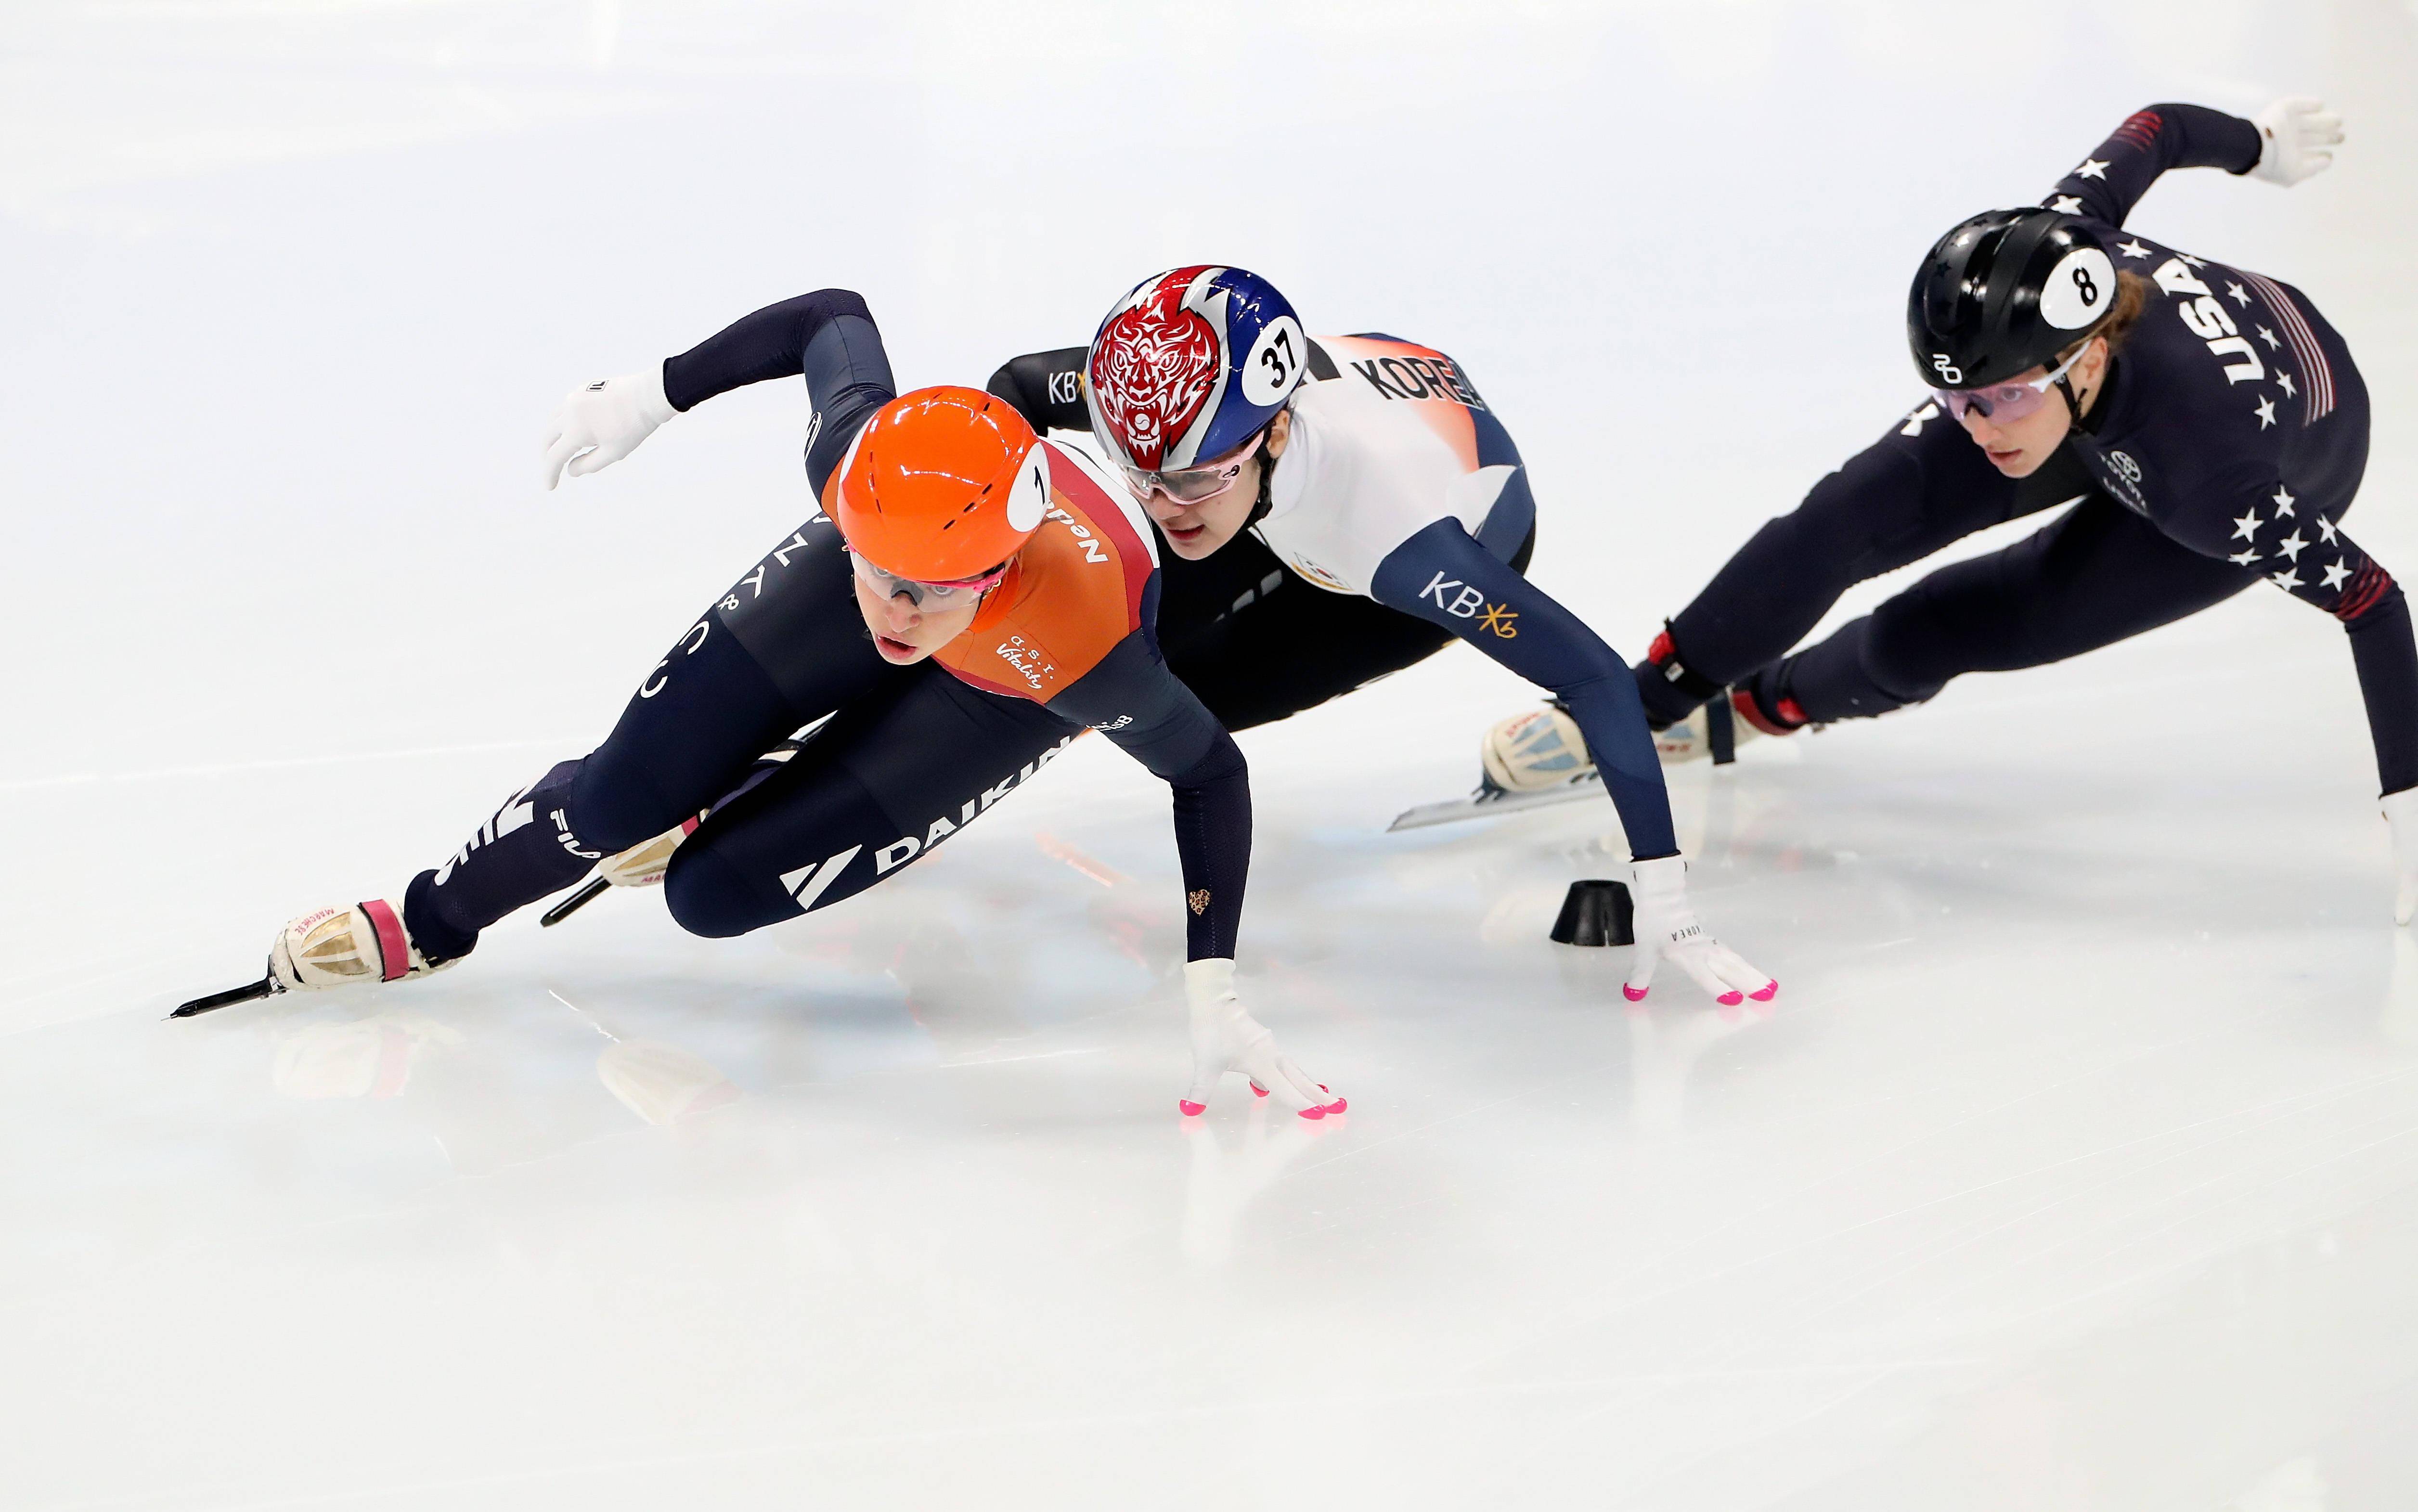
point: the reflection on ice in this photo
(1227, 1171)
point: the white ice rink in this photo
(2076, 1167)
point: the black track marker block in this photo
(1596, 913)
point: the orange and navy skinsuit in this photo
(903, 756)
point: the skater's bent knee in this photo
(708, 896)
(611, 811)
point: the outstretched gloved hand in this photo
(1667, 927)
(2401, 810)
(1225, 1038)
(598, 425)
(2294, 133)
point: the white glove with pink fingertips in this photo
(1225, 1038)
(1666, 927)
(2401, 811)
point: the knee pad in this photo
(708, 896)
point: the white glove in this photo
(2295, 132)
(600, 424)
(1666, 926)
(1225, 1038)
(2401, 809)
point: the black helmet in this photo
(2003, 293)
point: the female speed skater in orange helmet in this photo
(968, 600)
(1392, 515)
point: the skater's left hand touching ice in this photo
(1225, 1038)
(1666, 927)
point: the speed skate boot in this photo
(1532, 752)
(645, 863)
(1749, 711)
(334, 947)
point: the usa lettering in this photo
(1464, 604)
(2209, 320)
(1420, 377)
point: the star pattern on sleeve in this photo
(2189, 261)
(2336, 576)
(2283, 502)
(2269, 337)
(2266, 413)
(2237, 294)
(2065, 204)
(2246, 528)
(2293, 545)
(2243, 558)
(2091, 168)
(2325, 530)
(2132, 249)
(2288, 579)
(2283, 381)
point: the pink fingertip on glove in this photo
(1731, 998)
(1632, 994)
(1191, 1109)
(1769, 991)
(1258, 1091)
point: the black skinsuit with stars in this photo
(2225, 446)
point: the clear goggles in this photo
(1194, 485)
(953, 595)
(2006, 401)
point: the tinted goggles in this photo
(1194, 485)
(953, 595)
(2006, 401)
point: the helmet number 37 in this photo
(1275, 359)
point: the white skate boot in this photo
(1691, 739)
(334, 947)
(1532, 752)
(645, 863)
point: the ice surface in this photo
(2077, 1166)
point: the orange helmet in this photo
(942, 485)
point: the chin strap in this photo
(1267, 501)
(2073, 405)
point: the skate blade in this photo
(266, 987)
(573, 904)
(1484, 804)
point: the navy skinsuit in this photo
(2224, 448)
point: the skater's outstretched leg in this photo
(783, 647)
(2095, 576)
(1921, 487)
